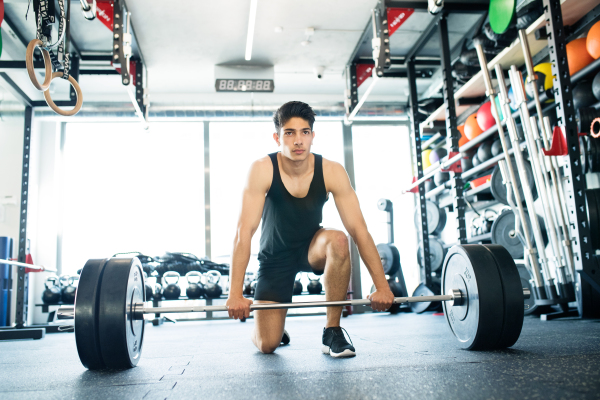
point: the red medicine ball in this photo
(485, 120)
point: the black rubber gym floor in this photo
(405, 356)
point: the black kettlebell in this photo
(195, 288)
(297, 286)
(172, 291)
(148, 296)
(52, 294)
(212, 288)
(474, 228)
(68, 288)
(487, 220)
(248, 288)
(314, 286)
(157, 291)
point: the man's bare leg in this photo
(268, 328)
(329, 251)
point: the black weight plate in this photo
(499, 189)
(86, 315)
(481, 326)
(503, 233)
(422, 306)
(525, 276)
(514, 301)
(389, 260)
(592, 197)
(583, 154)
(121, 336)
(593, 155)
(436, 254)
(436, 218)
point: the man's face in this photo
(295, 139)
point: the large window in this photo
(128, 189)
(382, 168)
(233, 148)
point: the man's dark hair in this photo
(293, 109)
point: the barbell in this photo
(483, 303)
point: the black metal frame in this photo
(575, 184)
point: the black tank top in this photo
(289, 222)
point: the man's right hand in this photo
(239, 307)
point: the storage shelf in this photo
(572, 11)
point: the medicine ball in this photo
(596, 86)
(484, 152)
(577, 55)
(52, 293)
(592, 42)
(428, 185)
(425, 158)
(583, 95)
(314, 286)
(496, 147)
(463, 138)
(440, 178)
(437, 154)
(466, 163)
(472, 129)
(212, 289)
(544, 82)
(475, 160)
(172, 291)
(485, 119)
(195, 288)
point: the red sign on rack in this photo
(363, 72)
(396, 17)
(105, 12)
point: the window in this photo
(382, 168)
(128, 189)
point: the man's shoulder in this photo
(261, 172)
(332, 167)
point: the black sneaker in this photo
(335, 344)
(285, 339)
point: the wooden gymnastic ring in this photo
(75, 85)
(595, 135)
(47, 64)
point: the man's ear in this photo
(276, 138)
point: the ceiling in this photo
(182, 41)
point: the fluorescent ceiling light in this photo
(251, 23)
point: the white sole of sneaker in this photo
(343, 354)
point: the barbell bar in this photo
(483, 304)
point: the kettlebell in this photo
(474, 228)
(68, 288)
(52, 294)
(248, 288)
(487, 221)
(297, 286)
(157, 292)
(195, 288)
(314, 286)
(148, 296)
(212, 288)
(172, 291)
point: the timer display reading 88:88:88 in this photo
(244, 85)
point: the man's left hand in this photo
(382, 299)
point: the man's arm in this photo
(253, 201)
(346, 201)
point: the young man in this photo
(288, 190)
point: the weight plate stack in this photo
(436, 254)
(390, 258)
(592, 197)
(593, 154)
(498, 188)
(86, 309)
(436, 218)
(424, 290)
(503, 233)
(525, 276)
(478, 322)
(121, 335)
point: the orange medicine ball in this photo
(472, 129)
(592, 42)
(577, 55)
(463, 138)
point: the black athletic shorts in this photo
(276, 282)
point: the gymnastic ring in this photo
(47, 64)
(595, 135)
(75, 85)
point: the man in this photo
(288, 190)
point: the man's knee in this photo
(267, 347)
(338, 244)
